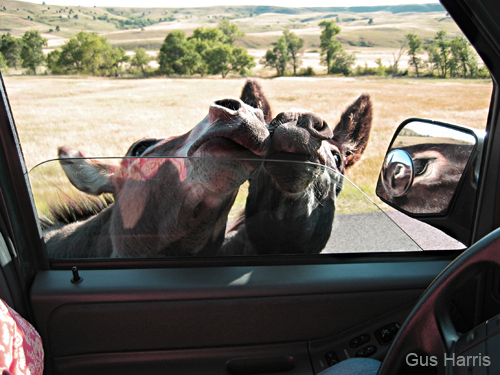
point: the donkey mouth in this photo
(292, 172)
(295, 157)
(220, 146)
(224, 146)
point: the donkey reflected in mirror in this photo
(437, 170)
(171, 196)
(291, 201)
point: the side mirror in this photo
(425, 168)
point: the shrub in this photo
(307, 72)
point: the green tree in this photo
(32, 50)
(3, 62)
(286, 51)
(204, 39)
(434, 59)
(192, 61)
(243, 61)
(69, 59)
(140, 60)
(10, 48)
(414, 49)
(210, 50)
(329, 42)
(53, 62)
(342, 63)
(87, 53)
(172, 51)
(91, 46)
(230, 30)
(270, 59)
(208, 34)
(278, 57)
(444, 49)
(225, 58)
(112, 60)
(464, 60)
(332, 52)
(439, 52)
(294, 46)
(219, 59)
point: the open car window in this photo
(146, 209)
(76, 107)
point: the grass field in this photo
(103, 117)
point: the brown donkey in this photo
(291, 203)
(171, 196)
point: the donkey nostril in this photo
(325, 130)
(319, 125)
(231, 104)
(316, 126)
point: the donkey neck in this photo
(88, 238)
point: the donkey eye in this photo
(139, 150)
(139, 147)
(420, 166)
(337, 159)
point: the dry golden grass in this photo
(105, 116)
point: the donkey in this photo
(438, 168)
(290, 206)
(165, 206)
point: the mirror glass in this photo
(397, 173)
(423, 167)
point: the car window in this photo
(150, 211)
(95, 137)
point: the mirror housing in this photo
(431, 172)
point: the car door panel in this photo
(227, 360)
(213, 315)
(369, 339)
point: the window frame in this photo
(26, 234)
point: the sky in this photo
(202, 3)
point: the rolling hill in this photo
(371, 32)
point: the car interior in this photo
(295, 312)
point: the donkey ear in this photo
(253, 96)
(353, 129)
(88, 175)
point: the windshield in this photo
(164, 207)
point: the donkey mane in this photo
(71, 210)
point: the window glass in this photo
(162, 207)
(402, 62)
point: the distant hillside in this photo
(418, 8)
(395, 9)
(130, 28)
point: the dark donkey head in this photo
(291, 204)
(164, 203)
(438, 168)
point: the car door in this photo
(245, 315)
